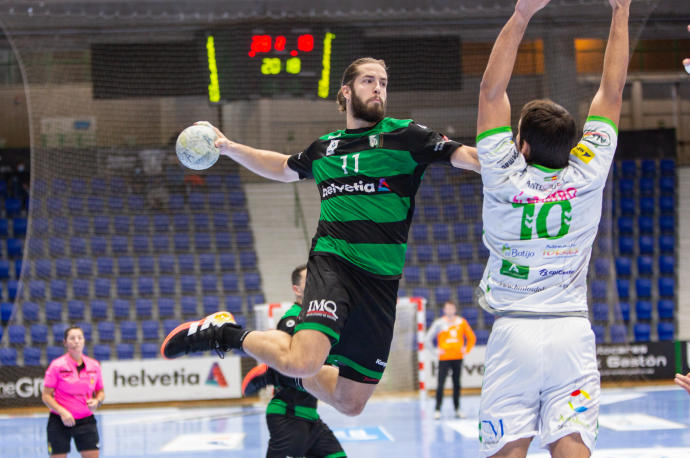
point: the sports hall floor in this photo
(649, 422)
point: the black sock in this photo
(233, 336)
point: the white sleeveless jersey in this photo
(540, 223)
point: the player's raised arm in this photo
(268, 164)
(465, 157)
(609, 98)
(494, 106)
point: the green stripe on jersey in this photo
(386, 125)
(495, 130)
(383, 207)
(340, 359)
(378, 162)
(386, 259)
(292, 311)
(318, 327)
(279, 407)
(603, 119)
(336, 455)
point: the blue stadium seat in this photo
(101, 224)
(146, 264)
(166, 285)
(149, 330)
(667, 204)
(602, 267)
(121, 308)
(446, 192)
(216, 199)
(128, 331)
(124, 351)
(442, 294)
(161, 222)
(99, 309)
(667, 244)
(125, 265)
(149, 350)
(141, 244)
(13, 287)
(166, 307)
(161, 243)
(252, 281)
(43, 268)
(471, 212)
(186, 263)
(667, 224)
(237, 198)
(667, 287)
(430, 213)
(119, 245)
(19, 227)
(121, 224)
(240, 220)
(124, 286)
(16, 334)
(37, 289)
(210, 304)
(444, 252)
(13, 207)
(471, 314)
(18, 264)
(58, 330)
(4, 269)
(647, 206)
(642, 332)
(667, 264)
(99, 246)
(181, 222)
(665, 330)
(243, 239)
(8, 356)
(643, 310)
(626, 186)
(475, 271)
(622, 312)
(4, 226)
(84, 267)
(628, 169)
(647, 186)
(166, 264)
(87, 329)
(101, 352)
(667, 185)
(623, 288)
(207, 262)
(667, 167)
(605, 244)
(54, 206)
(420, 233)
(440, 232)
(63, 267)
(188, 284)
(188, 306)
(453, 273)
(648, 167)
(461, 231)
(465, 294)
(643, 288)
(427, 192)
(32, 356)
(230, 282)
(619, 333)
(75, 310)
(224, 241)
(98, 186)
(451, 212)
(80, 225)
(645, 225)
(625, 225)
(53, 351)
(145, 286)
(432, 274)
(600, 312)
(101, 287)
(95, 205)
(53, 311)
(39, 334)
(412, 275)
(141, 223)
(599, 333)
(646, 244)
(623, 266)
(14, 247)
(645, 265)
(422, 291)
(106, 331)
(482, 336)
(627, 206)
(176, 202)
(666, 309)
(202, 241)
(626, 246)
(200, 221)
(197, 200)
(209, 284)
(58, 290)
(233, 303)
(221, 221)
(143, 307)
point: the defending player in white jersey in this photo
(542, 205)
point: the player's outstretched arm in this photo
(609, 98)
(268, 164)
(494, 106)
(465, 157)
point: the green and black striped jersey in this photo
(367, 179)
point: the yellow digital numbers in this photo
(270, 66)
(293, 65)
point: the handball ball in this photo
(195, 147)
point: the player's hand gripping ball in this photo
(195, 147)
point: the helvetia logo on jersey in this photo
(216, 377)
(323, 308)
(343, 188)
(383, 186)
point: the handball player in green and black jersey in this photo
(367, 176)
(293, 422)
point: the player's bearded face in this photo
(367, 110)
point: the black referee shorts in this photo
(84, 432)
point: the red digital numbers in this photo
(266, 44)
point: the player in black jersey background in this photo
(367, 176)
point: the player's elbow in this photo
(350, 406)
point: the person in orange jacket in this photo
(455, 339)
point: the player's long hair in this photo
(350, 74)
(549, 130)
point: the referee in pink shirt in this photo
(73, 390)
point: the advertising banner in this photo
(21, 386)
(636, 361)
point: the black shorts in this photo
(85, 433)
(357, 313)
(292, 436)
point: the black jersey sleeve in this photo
(429, 146)
(289, 320)
(301, 162)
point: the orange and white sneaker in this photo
(256, 379)
(201, 335)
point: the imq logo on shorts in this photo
(324, 308)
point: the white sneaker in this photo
(459, 414)
(437, 414)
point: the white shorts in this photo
(540, 378)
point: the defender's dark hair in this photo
(549, 130)
(296, 274)
(349, 75)
(71, 328)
